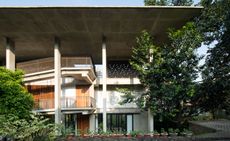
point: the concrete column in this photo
(92, 122)
(10, 54)
(96, 122)
(150, 121)
(150, 115)
(104, 83)
(57, 80)
(76, 131)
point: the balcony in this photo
(41, 104)
(80, 102)
(81, 68)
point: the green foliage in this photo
(214, 24)
(155, 2)
(214, 19)
(186, 132)
(65, 131)
(16, 120)
(135, 133)
(172, 131)
(35, 128)
(128, 96)
(203, 116)
(169, 2)
(156, 132)
(14, 99)
(168, 73)
(163, 130)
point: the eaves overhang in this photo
(80, 29)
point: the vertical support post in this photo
(150, 115)
(96, 122)
(10, 54)
(92, 122)
(57, 80)
(76, 130)
(104, 82)
(150, 121)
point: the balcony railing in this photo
(41, 104)
(46, 64)
(78, 102)
(76, 61)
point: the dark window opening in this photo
(70, 123)
(115, 122)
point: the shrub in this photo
(36, 128)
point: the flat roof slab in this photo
(80, 29)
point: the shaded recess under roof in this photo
(121, 69)
(80, 29)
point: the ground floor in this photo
(83, 123)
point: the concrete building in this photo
(74, 58)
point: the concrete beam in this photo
(10, 54)
(57, 80)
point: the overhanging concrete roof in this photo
(81, 28)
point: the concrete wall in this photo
(114, 97)
(141, 121)
(119, 81)
(92, 122)
(41, 82)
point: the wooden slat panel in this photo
(43, 96)
(82, 96)
(83, 123)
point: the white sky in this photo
(74, 2)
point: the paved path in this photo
(222, 128)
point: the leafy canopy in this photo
(33, 128)
(214, 24)
(16, 120)
(167, 73)
(168, 2)
(14, 99)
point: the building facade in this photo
(75, 58)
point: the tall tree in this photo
(16, 119)
(14, 99)
(169, 2)
(155, 2)
(167, 73)
(214, 24)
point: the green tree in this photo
(167, 73)
(214, 24)
(169, 2)
(155, 2)
(34, 128)
(14, 98)
(16, 119)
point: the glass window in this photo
(70, 122)
(117, 122)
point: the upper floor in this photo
(80, 97)
(80, 83)
(80, 68)
(118, 73)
